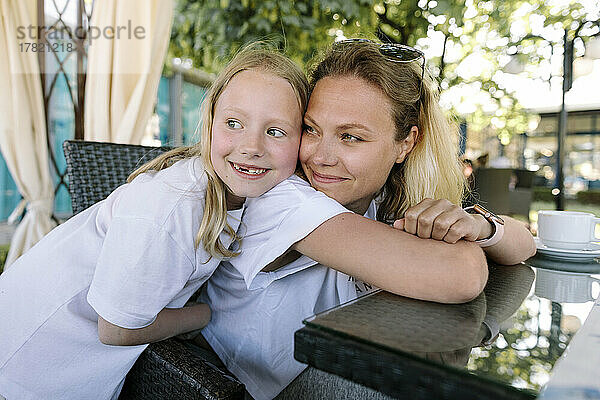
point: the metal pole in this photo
(523, 148)
(555, 331)
(560, 154)
(81, 73)
(175, 108)
(462, 139)
(562, 122)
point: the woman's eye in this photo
(233, 124)
(275, 132)
(346, 137)
(308, 129)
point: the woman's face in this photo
(348, 146)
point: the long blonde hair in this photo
(432, 169)
(258, 57)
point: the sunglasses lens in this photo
(404, 54)
(392, 51)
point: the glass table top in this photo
(512, 334)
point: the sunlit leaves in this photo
(470, 44)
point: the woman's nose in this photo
(323, 153)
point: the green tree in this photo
(468, 42)
(523, 355)
(210, 31)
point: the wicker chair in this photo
(171, 369)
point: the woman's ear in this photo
(407, 144)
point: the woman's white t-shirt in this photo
(254, 314)
(125, 259)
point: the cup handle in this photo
(593, 232)
(597, 281)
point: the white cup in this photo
(567, 229)
(565, 287)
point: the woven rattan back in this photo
(95, 169)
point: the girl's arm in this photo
(397, 261)
(168, 323)
(443, 220)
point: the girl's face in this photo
(256, 133)
(348, 147)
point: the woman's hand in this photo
(443, 220)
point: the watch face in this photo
(487, 214)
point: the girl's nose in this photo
(251, 144)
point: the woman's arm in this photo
(168, 323)
(397, 261)
(443, 220)
(516, 245)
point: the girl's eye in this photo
(346, 137)
(275, 132)
(233, 124)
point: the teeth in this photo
(251, 171)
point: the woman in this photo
(376, 141)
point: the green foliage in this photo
(523, 355)
(210, 31)
(589, 197)
(543, 194)
(3, 254)
(479, 39)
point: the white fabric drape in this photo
(23, 127)
(124, 71)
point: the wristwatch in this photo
(493, 219)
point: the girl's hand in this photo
(443, 220)
(168, 323)
(189, 335)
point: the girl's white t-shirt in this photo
(125, 258)
(254, 314)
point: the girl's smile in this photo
(249, 171)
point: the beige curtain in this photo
(23, 127)
(124, 71)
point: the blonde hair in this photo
(258, 57)
(432, 169)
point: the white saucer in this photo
(567, 254)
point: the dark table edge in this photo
(394, 374)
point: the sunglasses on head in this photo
(394, 52)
